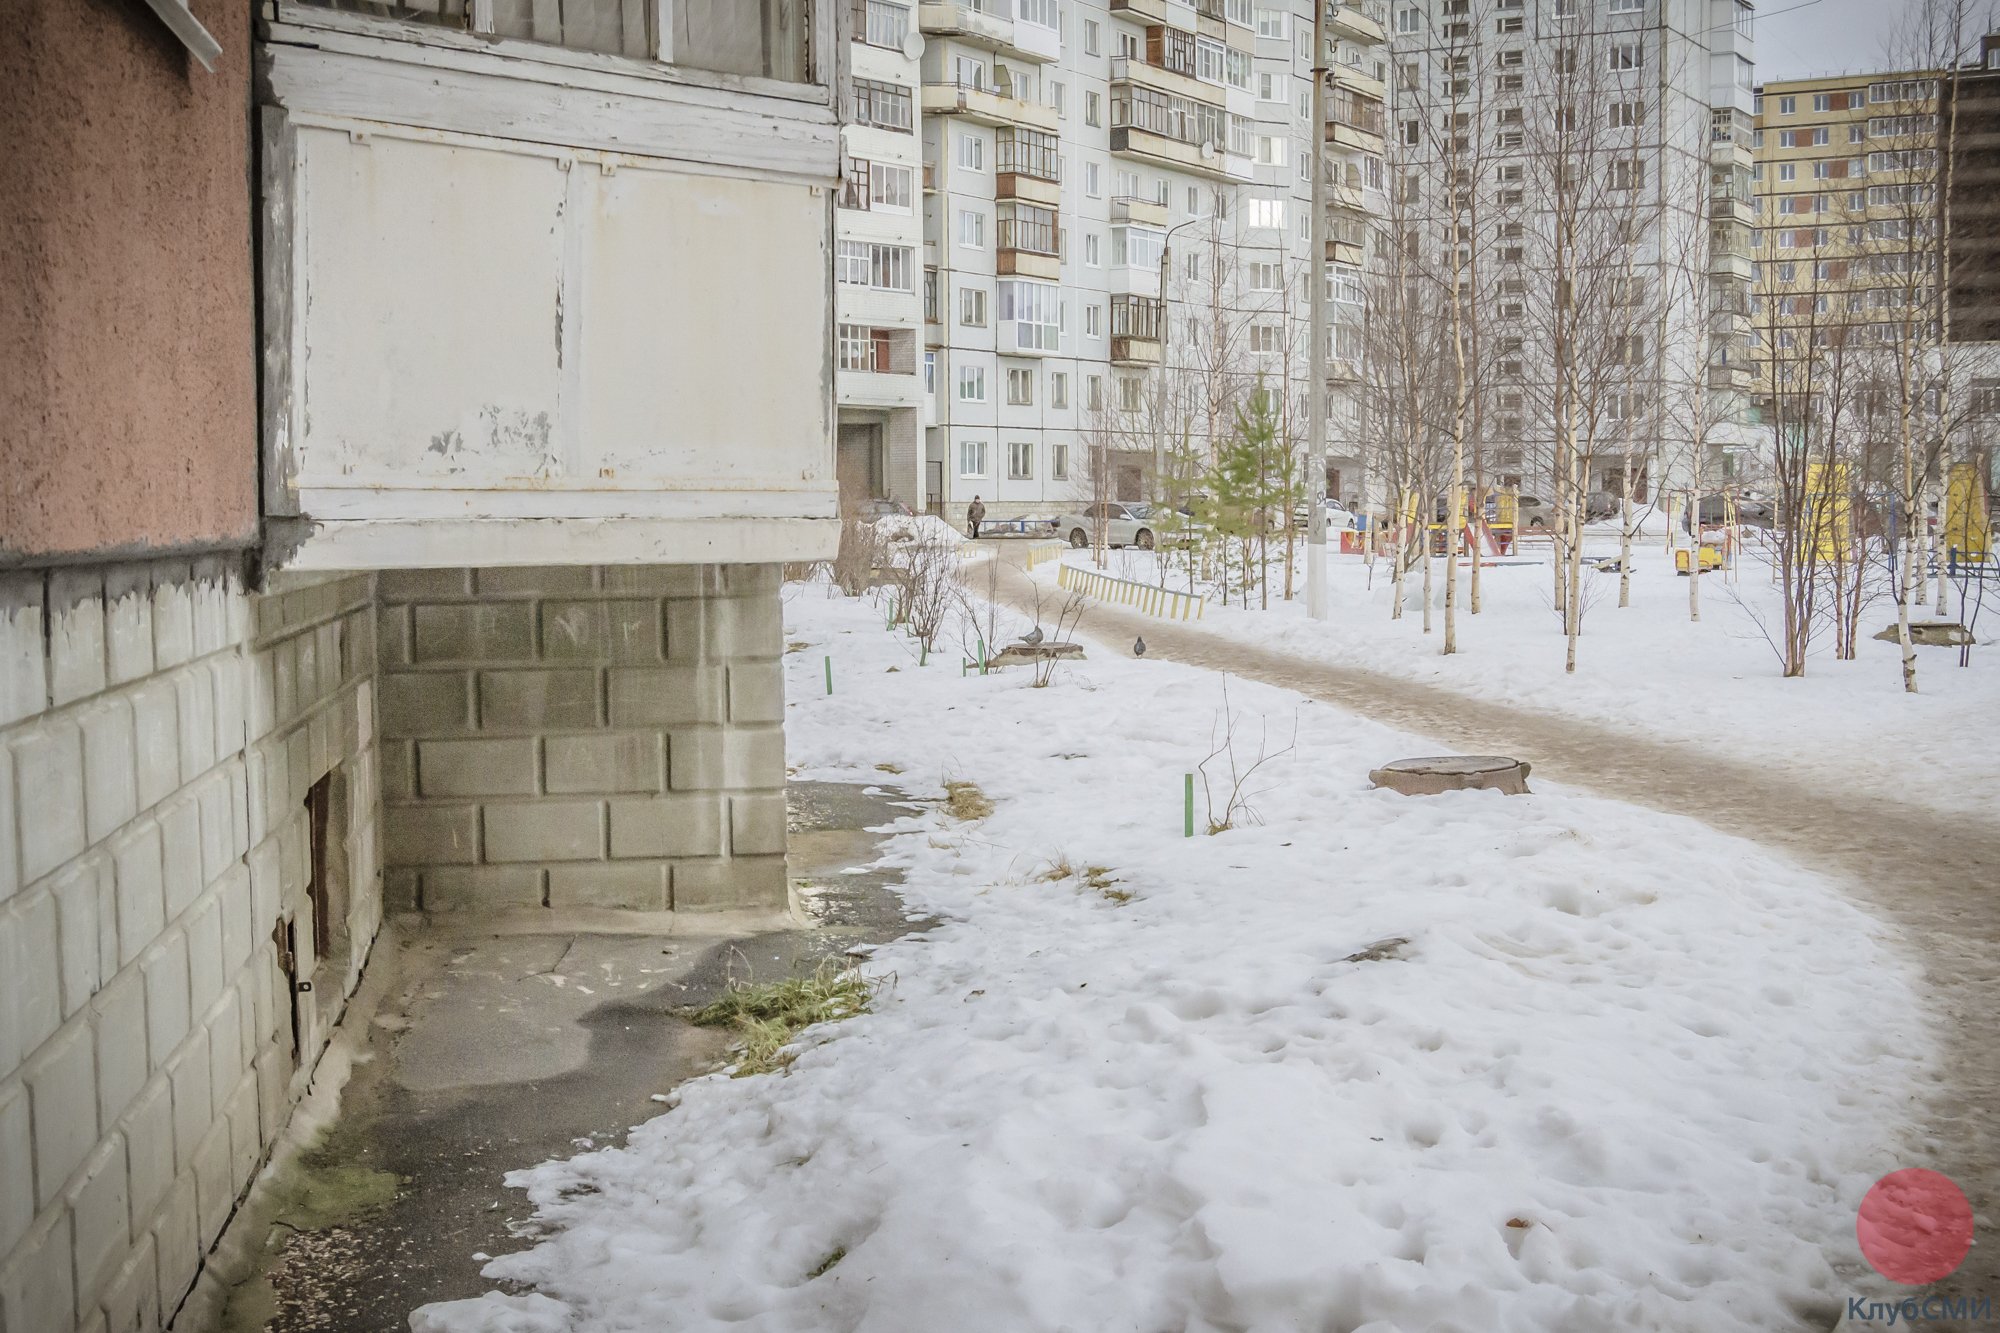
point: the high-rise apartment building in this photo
(1971, 109)
(878, 235)
(1114, 234)
(1596, 155)
(1846, 178)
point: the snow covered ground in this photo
(1714, 686)
(1589, 1093)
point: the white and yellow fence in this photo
(1146, 598)
(1043, 552)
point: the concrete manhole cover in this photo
(1453, 772)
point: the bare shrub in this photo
(1235, 774)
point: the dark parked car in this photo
(1750, 511)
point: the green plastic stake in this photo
(982, 657)
(829, 674)
(1187, 805)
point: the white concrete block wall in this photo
(153, 771)
(576, 736)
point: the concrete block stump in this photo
(1453, 772)
(1014, 654)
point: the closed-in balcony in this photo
(1028, 167)
(1027, 241)
(1354, 122)
(989, 24)
(987, 103)
(1137, 326)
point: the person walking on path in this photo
(974, 514)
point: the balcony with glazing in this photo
(1138, 325)
(1160, 128)
(1354, 122)
(992, 25)
(1027, 241)
(1028, 167)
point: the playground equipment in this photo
(1482, 531)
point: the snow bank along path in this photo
(1627, 1073)
(1934, 874)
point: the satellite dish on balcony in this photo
(1208, 152)
(913, 46)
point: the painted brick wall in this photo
(583, 737)
(158, 731)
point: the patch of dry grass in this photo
(768, 1016)
(964, 800)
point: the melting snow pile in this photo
(1625, 1073)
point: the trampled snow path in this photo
(1628, 1074)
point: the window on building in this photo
(1020, 460)
(1628, 174)
(1034, 312)
(1093, 393)
(1788, 106)
(1091, 38)
(1271, 23)
(1267, 213)
(1058, 462)
(972, 307)
(1090, 185)
(1058, 389)
(873, 264)
(972, 387)
(1627, 55)
(971, 453)
(1093, 316)
(1266, 277)
(972, 152)
(1131, 392)
(1021, 386)
(971, 229)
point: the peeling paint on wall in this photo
(689, 312)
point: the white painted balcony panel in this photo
(484, 328)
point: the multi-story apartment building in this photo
(402, 445)
(1115, 232)
(878, 236)
(1971, 109)
(1846, 178)
(1630, 120)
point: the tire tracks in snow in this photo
(1934, 877)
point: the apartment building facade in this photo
(1570, 138)
(882, 406)
(1114, 234)
(404, 442)
(1847, 175)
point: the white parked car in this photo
(1124, 525)
(1339, 518)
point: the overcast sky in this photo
(1796, 38)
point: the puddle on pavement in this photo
(494, 1053)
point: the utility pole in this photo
(1316, 599)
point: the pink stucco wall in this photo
(128, 409)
